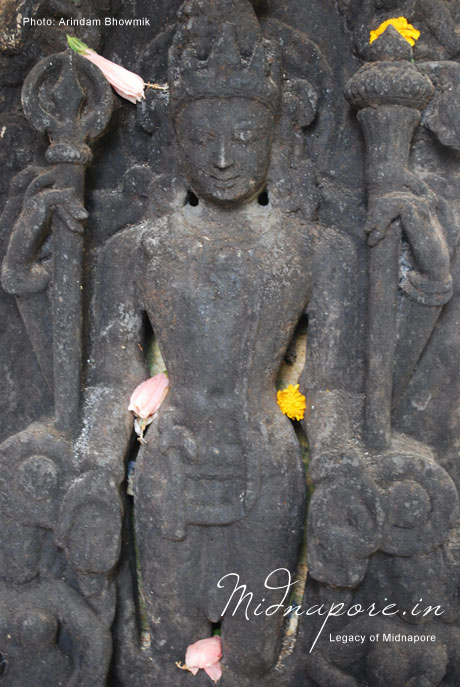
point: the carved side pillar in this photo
(41, 573)
(69, 99)
(389, 93)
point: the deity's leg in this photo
(181, 577)
(173, 578)
(267, 540)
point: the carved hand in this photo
(405, 188)
(383, 212)
(40, 200)
(21, 272)
(423, 230)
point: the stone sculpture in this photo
(205, 494)
(42, 618)
(250, 196)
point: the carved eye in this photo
(243, 136)
(248, 136)
(203, 137)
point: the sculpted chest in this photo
(230, 268)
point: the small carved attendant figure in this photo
(49, 635)
(36, 613)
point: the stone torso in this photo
(231, 288)
(212, 283)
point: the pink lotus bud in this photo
(205, 654)
(148, 396)
(127, 84)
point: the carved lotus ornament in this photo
(390, 79)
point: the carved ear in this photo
(153, 110)
(300, 101)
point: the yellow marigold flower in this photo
(292, 402)
(401, 25)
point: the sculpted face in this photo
(225, 145)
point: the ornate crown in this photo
(238, 62)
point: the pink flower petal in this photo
(124, 95)
(127, 84)
(204, 653)
(214, 671)
(148, 396)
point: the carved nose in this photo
(223, 159)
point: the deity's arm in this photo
(344, 512)
(330, 377)
(117, 362)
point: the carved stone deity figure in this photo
(223, 278)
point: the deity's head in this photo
(225, 96)
(90, 524)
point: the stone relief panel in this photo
(289, 170)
